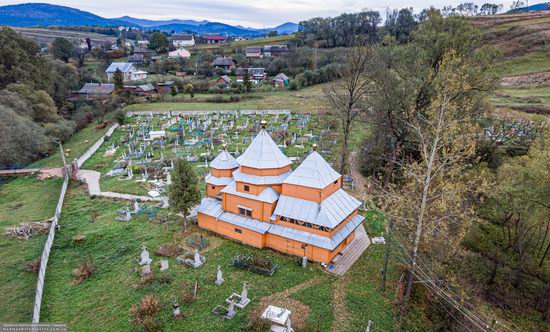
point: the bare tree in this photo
(346, 96)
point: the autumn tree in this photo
(432, 204)
(183, 193)
(346, 96)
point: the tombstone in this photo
(126, 216)
(169, 179)
(146, 270)
(145, 259)
(176, 310)
(136, 206)
(279, 319)
(130, 174)
(241, 300)
(231, 310)
(164, 265)
(289, 325)
(368, 326)
(304, 261)
(219, 277)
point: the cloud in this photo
(257, 14)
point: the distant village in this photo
(141, 55)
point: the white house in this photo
(181, 40)
(180, 53)
(128, 70)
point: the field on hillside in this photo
(309, 100)
(22, 200)
(46, 36)
(283, 39)
(524, 61)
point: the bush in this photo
(145, 313)
(83, 271)
(216, 99)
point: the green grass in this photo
(530, 63)
(318, 299)
(283, 39)
(22, 200)
(523, 96)
(103, 302)
(78, 143)
(308, 99)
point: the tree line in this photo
(464, 192)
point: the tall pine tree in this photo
(183, 193)
(118, 78)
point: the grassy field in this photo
(78, 144)
(308, 99)
(115, 286)
(22, 200)
(43, 35)
(530, 63)
(283, 39)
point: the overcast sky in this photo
(253, 13)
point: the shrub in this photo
(145, 313)
(216, 99)
(83, 271)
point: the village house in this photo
(224, 63)
(254, 52)
(129, 72)
(135, 59)
(143, 43)
(215, 39)
(255, 74)
(165, 87)
(280, 81)
(145, 90)
(256, 199)
(275, 50)
(145, 52)
(224, 81)
(95, 91)
(180, 53)
(183, 40)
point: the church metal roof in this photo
(329, 213)
(218, 181)
(224, 160)
(260, 180)
(263, 153)
(268, 195)
(313, 172)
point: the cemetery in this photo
(137, 157)
(136, 250)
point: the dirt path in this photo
(359, 181)
(339, 307)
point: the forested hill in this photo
(41, 14)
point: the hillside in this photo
(522, 40)
(46, 36)
(45, 15)
(41, 14)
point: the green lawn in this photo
(283, 39)
(22, 200)
(103, 302)
(308, 99)
(523, 96)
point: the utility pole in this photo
(386, 256)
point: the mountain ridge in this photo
(43, 14)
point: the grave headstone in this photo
(145, 258)
(219, 276)
(164, 265)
